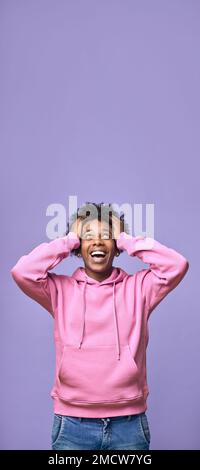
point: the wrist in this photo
(72, 240)
(121, 242)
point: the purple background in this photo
(99, 99)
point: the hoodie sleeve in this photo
(31, 271)
(167, 267)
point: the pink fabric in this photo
(101, 328)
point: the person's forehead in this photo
(94, 224)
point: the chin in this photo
(98, 268)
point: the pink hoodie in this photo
(101, 331)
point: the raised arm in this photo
(31, 271)
(167, 267)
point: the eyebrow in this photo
(104, 230)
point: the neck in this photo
(98, 276)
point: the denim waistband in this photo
(111, 418)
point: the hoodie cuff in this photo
(72, 241)
(128, 243)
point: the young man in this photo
(100, 319)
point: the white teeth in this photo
(97, 253)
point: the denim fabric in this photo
(118, 432)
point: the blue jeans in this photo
(118, 432)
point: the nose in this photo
(98, 241)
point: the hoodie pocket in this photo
(95, 375)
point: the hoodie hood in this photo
(115, 277)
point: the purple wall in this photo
(99, 99)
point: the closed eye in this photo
(90, 235)
(106, 235)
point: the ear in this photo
(117, 252)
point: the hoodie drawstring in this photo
(116, 325)
(115, 319)
(84, 308)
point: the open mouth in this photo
(98, 256)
